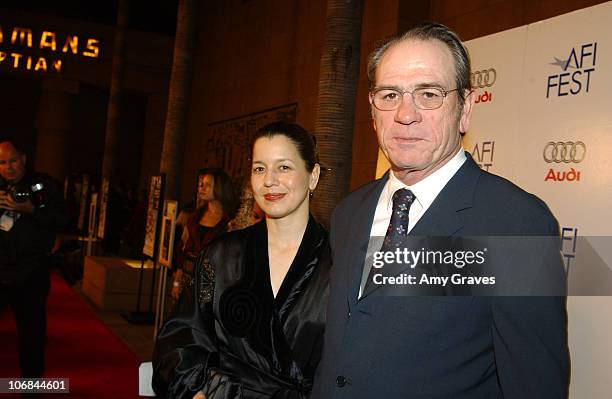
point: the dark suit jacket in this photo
(435, 346)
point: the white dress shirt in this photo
(425, 192)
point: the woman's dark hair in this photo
(304, 141)
(223, 190)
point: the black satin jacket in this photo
(238, 340)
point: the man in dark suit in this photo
(32, 210)
(381, 345)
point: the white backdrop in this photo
(544, 121)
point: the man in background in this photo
(32, 210)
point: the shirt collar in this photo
(427, 189)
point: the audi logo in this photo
(564, 151)
(484, 78)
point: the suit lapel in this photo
(443, 218)
(361, 226)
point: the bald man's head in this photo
(12, 162)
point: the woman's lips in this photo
(273, 197)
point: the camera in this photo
(22, 192)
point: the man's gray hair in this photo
(430, 31)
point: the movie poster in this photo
(155, 194)
(103, 206)
(93, 206)
(83, 205)
(167, 233)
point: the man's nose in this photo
(407, 112)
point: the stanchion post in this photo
(164, 279)
(159, 299)
(142, 262)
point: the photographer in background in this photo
(32, 210)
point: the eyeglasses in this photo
(386, 99)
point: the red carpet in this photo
(79, 347)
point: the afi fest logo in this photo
(483, 154)
(575, 75)
(569, 239)
(484, 79)
(563, 153)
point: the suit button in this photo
(341, 381)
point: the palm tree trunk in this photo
(175, 130)
(111, 138)
(338, 79)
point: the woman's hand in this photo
(176, 284)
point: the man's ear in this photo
(466, 113)
(23, 159)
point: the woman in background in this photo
(257, 322)
(207, 222)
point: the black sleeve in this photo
(530, 334)
(531, 352)
(185, 348)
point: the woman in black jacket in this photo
(256, 326)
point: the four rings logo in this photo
(564, 152)
(484, 78)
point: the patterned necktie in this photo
(398, 225)
(397, 230)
